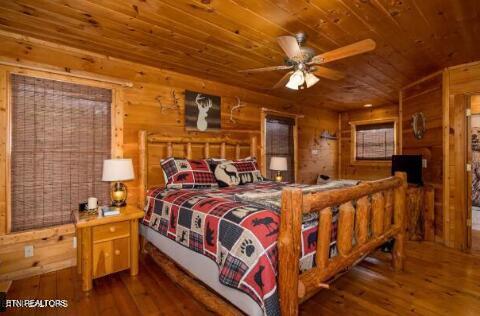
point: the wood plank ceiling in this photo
(215, 38)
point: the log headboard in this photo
(154, 147)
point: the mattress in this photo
(202, 268)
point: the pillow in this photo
(188, 174)
(248, 170)
(236, 172)
(214, 162)
(227, 174)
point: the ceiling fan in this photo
(304, 64)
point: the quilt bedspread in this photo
(239, 235)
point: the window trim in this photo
(263, 133)
(117, 121)
(353, 142)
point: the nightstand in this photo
(107, 244)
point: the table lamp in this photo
(278, 164)
(116, 170)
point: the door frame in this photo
(263, 132)
(469, 223)
(462, 126)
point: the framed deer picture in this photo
(202, 112)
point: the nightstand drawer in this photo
(111, 231)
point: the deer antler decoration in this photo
(173, 106)
(234, 108)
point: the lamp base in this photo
(279, 177)
(119, 194)
(119, 204)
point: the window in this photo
(60, 136)
(374, 141)
(280, 143)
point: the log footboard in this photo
(370, 214)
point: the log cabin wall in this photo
(364, 171)
(425, 96)
(142, 107)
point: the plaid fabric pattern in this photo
(243, 166)
(188, 174)
(196, 242)
(240, 236)
(232, 271)
(248, 170)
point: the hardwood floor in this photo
(436, 281)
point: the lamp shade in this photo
(117, 170)
(278, 163)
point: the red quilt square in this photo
(265, 225)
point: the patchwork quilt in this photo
(238, 233)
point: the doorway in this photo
(474, 155)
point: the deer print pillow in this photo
(227, 174)
(188, 174)
(236, 172)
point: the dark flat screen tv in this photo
(411, 164)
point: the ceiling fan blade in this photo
(282, 82)
(345, 51)
(328, 73)
(289, 45)
(266, 69)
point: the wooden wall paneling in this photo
(53, 249)
(460, 158)
(365, 171)
(446, 157)
(317, 155)
(425, 95)
(475, 104)
(117, 122)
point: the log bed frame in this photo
(379, 209)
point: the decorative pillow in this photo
(188, 174)
(227, 174)
(214, 162)
(248, 170)
(236, 172)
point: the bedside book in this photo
(110, 211)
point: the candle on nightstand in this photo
(92, 203)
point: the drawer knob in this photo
(107, 254)
(117, 252)
(112, 229)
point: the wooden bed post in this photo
(399, 210)
(253, 147)
(142, 167)
(289, 250)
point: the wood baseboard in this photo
(199, 291)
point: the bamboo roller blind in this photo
(60, 136)
(279, 143)
(375, 141)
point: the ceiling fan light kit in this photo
(296, 80)
(311, 79)
(303, 65)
